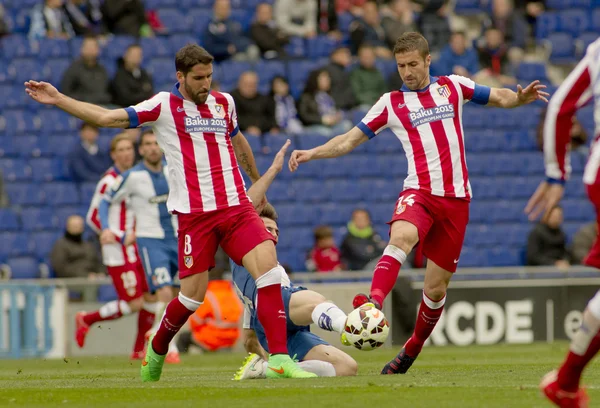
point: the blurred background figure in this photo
(366, 80)
(85, 16)
(86, 161)
(458, 58)
(493, 59)
(582, 242)
(284, 106)
(368, 30)
(255, 115)
(267, 35)
(49, 20)
(547, 242)
(132, 84)
(126, 17)
(224, 37)
(297, 17)
(397, 19)
(361, 244)
(325, 255)
(340, 87)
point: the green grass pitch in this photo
(478, 377)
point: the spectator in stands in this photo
(493, 58)
(72, 257)
(85, 16)
(284, 106)
(531, 9)
(224, 37)
(509, 22)
(49, 19)
(86, 161)
(579, 136)
(297, 17)
(325, 255)
(86, 79)
(398, 19)
(457, 58)
(4, 28)
(367, 81)
(269, 38)
(546, 244)
(126, 17)
(361, 244)
(215, 325)
(255, 116)
(341, 90)
(583, 241)
(327, 19)
(4, 202)
(132, 84)
(317, 108)
(369, 31)
(434, 23)
(354, 7)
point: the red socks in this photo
(271, 312)
(145, 322)
(386, 273)
(176, 314)
(569, 374)
(110, 311)
(430, 312)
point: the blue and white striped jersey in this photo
(146, 194)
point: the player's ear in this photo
(428, 60)
(180, 76)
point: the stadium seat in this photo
(595, 21)
(467, 7)
(43, 241)
(15, 244)
(174, 20)
(87, 191)
(574, 22)
(24, 194)
(39, 218)
(27, 146)
(562, 48)
(54, 48)
(296, 47)
(62, 213)
(19, 46)
(9, 220)
(201, 17)
(60, 193)
(14, 96)
(16, 121)
(545, 24)
(267, 70)
(45, 169)
(531, 71)
(15, 169)
(115, 47)
(24, 268)
(320, 46)
(8, 148)
(55, 120)
(161, 70)
(106, 293)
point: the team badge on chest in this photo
(219, 111)
(444, 91)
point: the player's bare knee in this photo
(404, 238)
(435, 290)
(347, 368)
(136, 304)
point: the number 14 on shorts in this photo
(403, 201)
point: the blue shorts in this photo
(159, 258)
(299, 338)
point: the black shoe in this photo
(400, 364)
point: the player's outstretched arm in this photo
(245, 157)
(336, 147)
(258, 190)
(507, 98)
(46, 93)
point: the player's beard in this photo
(198, 98)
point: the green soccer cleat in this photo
(152, 364)
(282, 366)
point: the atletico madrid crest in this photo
(400, 209)
(220, 111)
(444, 91)
(188, 261)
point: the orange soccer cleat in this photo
(173, 357)
(563, 399)
(138, 355)
(81, 329)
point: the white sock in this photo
(173, 346)
(161, 308)
(589, 327)
(329, 317)
(150, 307)
(112, 308)
(320, 368)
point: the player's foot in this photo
(362, 299)
(152, 364)
(400, 364)
(137, 355)
(282, 366)
(560, 398)
(172, 357)
(81, 329)
(252, 368)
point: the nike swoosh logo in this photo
(144, 363)
(456, 261)
(401, 105)
(277, 370)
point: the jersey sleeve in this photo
(145, 113)
(573, 93)
(93, 217)
(234, 128)
(376, 119)
(117, 193)
(471, 91)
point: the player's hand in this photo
(299, 156)
(277, 164)
(532, 93)
(107, 237)
(42, 92)
(129, 239)
(546, 197)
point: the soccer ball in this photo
(366, 328)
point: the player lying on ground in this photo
(562, 386)
(433, 208)
(144, 190)
(197, 130)
(120, 256)
(302, 307)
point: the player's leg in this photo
(248, 242)
(343, 364)
(411, 221)
(197, 245)
(307, 306)
(129, 290)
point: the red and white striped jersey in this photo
(120, 220)
(428, 122)
(196, 139)
(577, 90)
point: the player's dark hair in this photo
(412, 41)
(145, 132)
(323, 231)
(269, 212)
(118, 139)
(190, 56)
